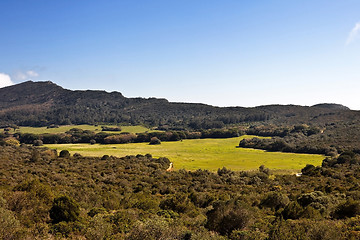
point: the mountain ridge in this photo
(54, 85)
(44, 102)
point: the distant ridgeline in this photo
(45, 103)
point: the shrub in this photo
(12, 141)
(64, 154)
(35, 156)
(226, 217)
(155, 228)
(305, 229)
(154, 141)
(265, 170)
(65, 229)
(311, 170)
(64, 209)
(124, 220)
(77, 155)
(275, 200)
(144, 202)
(202, 200)
(350, 208)
(312, 197)
(292, 211)
(99, 228)
(95, 211)
(179, 203)
(114, 129)
(38, 143)
(9, 225)
(223, 171)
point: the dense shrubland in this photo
(44, 195)
(329, 140)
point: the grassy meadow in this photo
(208, 154)
(65, 128)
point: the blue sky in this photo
(223, 53)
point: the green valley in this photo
(192, 154)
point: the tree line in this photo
(76, 135)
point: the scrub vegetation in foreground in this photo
(45, 196)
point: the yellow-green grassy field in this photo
(208, 154)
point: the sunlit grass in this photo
(208, 154)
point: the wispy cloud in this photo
(25, 75)
(354, 34)
(32, 73)
(5, 80)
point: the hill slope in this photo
(44, 103)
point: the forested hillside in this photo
(45, 103)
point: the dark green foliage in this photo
(77, 155)
(223, 171)
(10, 226)
(35, 156)
(154, 141)
(155, 228)
(265, 170)
(179, 203)
(65, 229)
(328, 139)
(228, 216)
(292, 211)
(350, 208)
(38, 143)
(275, 200)
(113, 129)
(305, 230)
(95, 211)
(310, 198)
(201, 200)
(64, 209)
(279, 146)
(346, 157)
(310, 170)
(64, 154)
(28, 138)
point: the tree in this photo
(154, 141)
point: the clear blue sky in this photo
(223, 53)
